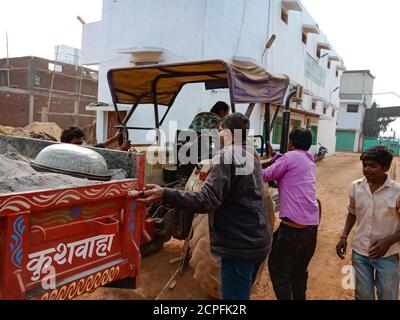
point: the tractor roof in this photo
(160, 84)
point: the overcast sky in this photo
(35, 27)
(364, 32)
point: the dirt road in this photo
(325, 280)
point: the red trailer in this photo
(60, 244)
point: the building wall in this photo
(209, 29)
(357, 85)
(351, 120)
(356, 89)
(326, 128)
(28, 92)
(14, 109)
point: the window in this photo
(337, 73)
(285, 16)
(304, 38)
(294, 124)
(333, 113)
(352, 108)
(329, 64)
(308, 123)
(314, 130)
(314, 106)
(55, 67)
(323, 46)
(315, 72)
(325, 110)
(319, 52)
(36, 80)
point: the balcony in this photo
(292, 5)
(310, 28)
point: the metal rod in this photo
(262, 143)
(165, 115)
(174, 74)
(136, 128)
(127, 93)
(118, 115)
(51, 86)
(286, 124)
(79, 94)
(37, 93)
(267, 119)
(155, 101)
(48, 71)
(129, 115)
(274, 119)
(132, 111)
(8, 62)
(68, 114)
(250, 110)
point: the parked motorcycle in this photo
(322, 152)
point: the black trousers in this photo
(292, 251)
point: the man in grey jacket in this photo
(234, 199)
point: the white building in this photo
(163, 31)
(356, 91)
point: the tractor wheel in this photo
(207, 268)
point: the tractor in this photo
(159, 86)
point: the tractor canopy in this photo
(160, 84)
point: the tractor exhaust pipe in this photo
(286, 123)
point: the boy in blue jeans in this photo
(375, 208)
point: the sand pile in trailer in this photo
(16, 175)
(50, 128)
(35, 130)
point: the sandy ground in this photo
(325, 279)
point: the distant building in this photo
(25, 92)
(69, 55)
(355, 97)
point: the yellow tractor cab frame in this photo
(159, 85)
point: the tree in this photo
(373, 126)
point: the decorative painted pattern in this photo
(89, 211)
(64, 216)
(17, 203)
(88, 285)
(131, 218)
(16, 242)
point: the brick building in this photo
(25, 92)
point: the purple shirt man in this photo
(295, 172)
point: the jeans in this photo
(238, 278)
(292, 251)
(382, 273)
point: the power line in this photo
(381, 93)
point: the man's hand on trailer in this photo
(150, 195)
